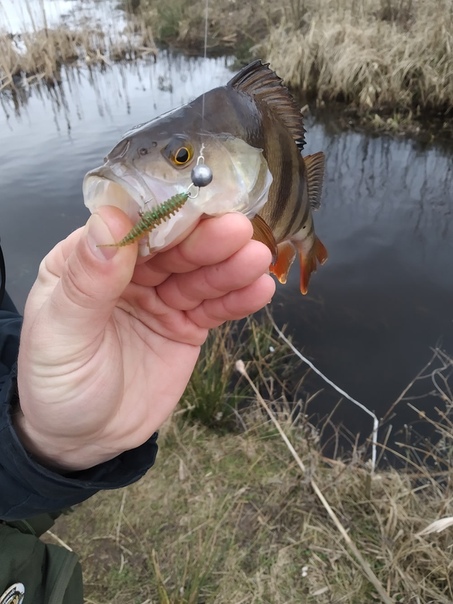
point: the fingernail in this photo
(98, 235)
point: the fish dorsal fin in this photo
(260, 82)
(315, 175)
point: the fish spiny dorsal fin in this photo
(260, 82)
(315, 175)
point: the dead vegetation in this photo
(385, 55)
(41, 53)
(232, 516)
(391, 56)
(393, 53)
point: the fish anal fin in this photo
(264, 85)
(262, 232)
(309, 262)
(314, 165)
(320, 251)
(285, 257)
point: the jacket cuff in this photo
(27, 488)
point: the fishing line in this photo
(375, 430)
(2, 276)
(201, 174)
(205, 53)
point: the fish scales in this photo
(284, 205)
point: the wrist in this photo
(58, 454)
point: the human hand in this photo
(108, 345)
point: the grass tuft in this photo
(216, 392)
(381, 56)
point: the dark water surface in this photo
(373, 311)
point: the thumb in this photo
(94, 276)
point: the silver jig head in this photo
(201, 174)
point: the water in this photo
(383, 300)
(373, 311)
(17, 16)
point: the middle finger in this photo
(186, 291)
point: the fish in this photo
(250, 134)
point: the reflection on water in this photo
(374, 310)
(17, 16)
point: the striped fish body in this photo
(285, 223)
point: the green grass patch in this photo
(216, 392)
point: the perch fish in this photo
(250, 134)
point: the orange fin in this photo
(262, 232)
(285, 258)
(309, 263)
(315, 175)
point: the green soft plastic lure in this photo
(151, 219)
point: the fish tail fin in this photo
(309, 262)
(286, 254)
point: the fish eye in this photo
(179, 151)
(183, 155)
(143, 151)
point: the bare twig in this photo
(366, 568)
(374, 433)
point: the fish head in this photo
(154, 162)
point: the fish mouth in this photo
(126, 188)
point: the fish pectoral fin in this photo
(309, 262)
(315, 174)
(285, 257)
(262, 232)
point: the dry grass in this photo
(374, 55)
(393, 56)
(39, 54)
(232, 518)
(42, 53)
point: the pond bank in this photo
(389, 58)
(227, 515)
(231, 518)
(37, 44)
(387, 63)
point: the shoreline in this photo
(305, 66)
(231, 518)
(227, 515)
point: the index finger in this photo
(213, 241)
